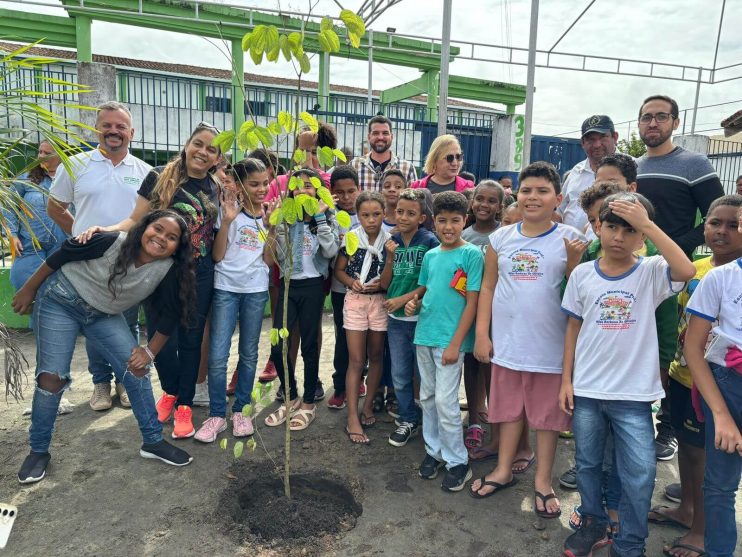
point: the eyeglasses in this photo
(660, 117)
(457, 157)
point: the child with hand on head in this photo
(607, 383)
(725, 241)
(84, 288)
(405, 252)
(243, 252)
(524, 268)
(313, 243)
(364, 317)
(717, 376)
(485, 207)
(451, 275)
(345, 187)
(392, 183)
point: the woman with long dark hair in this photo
(185, 184)
(84, 288)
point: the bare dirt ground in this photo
(101, 498)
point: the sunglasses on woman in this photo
(457, 157)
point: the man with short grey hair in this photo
(103, 188)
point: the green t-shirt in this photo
(408, 260)
(442, 305)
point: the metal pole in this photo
(370, 108)
(445, 56)
(695, 103)
(529, 82)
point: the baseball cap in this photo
(598, 123)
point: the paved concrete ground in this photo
(101, 498)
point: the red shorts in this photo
(516, 395)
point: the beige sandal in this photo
(278, 417)
(301, 418)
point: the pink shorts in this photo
(515, 395)
(364, 312)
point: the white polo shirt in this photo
(102, 194)
(580, 178)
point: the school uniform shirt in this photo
(408, 261)
(617, 354)
(527, 322)
(719, 296)
(679, 367)
(336, 285)
(243, 270)
(443, 305)
(196, 200)
(388, 226)
(102, 194)
(308, 247)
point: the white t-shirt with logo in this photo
(719, 296)
(102, 194)
(617, 354)
(527, 322)
(243, 270)
(309, 246)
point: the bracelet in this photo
(149, 353)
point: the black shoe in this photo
(33, 468)
(319, 392)
(456, 477)
(665, 445)
(378, 404)
(569, 478)
(672, 492)
(591, 536)
(429, 468)
(165, 452)
(279, 395)
(392, 405)
(405, 431)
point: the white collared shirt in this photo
(580, 178)
(103, 194)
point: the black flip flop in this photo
(352, 434)
(544, 499)
(497, 485)
(677, 545)
(664, 519)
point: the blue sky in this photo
(673, 31)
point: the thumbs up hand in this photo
(411, 307)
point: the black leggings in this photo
(305, 303)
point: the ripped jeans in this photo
(60, 314)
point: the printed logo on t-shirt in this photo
(306, 247)
(524, 264)
(409, 260)
(248, 239)
(737, 299)
(132, 180)
(615, 310)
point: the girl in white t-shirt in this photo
(240, 294)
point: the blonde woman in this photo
(186, 185)
(442, 166)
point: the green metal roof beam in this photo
(484, 90)
(417, 86)
(28, 28)
(231, 23)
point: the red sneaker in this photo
(165, 407)
(336, 401)
(362, 390)
(183, 423)
(269, 373)
(232, 387)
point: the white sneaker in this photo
(123, 397)
(101, 397)
(201, 398)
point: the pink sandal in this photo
(474, 436)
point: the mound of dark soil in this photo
(319, 505)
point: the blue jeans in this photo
(226, 309)
(722, 475)
(400, 335)
(60, 314)
(635, 464)
(439, 397)
(98, 366)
